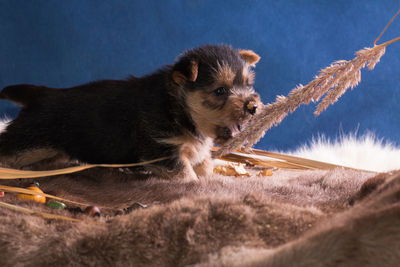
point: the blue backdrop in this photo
(65, 43)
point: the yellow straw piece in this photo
(38, 213)
(6, 173)
(282, 160)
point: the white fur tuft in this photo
(363, 152)
(3, 123)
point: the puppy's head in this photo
(216, 84)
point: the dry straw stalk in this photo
(332, 82)
(38, 213)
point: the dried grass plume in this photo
(331, 82)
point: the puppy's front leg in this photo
(186, 173)
(204, 168)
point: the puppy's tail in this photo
(24, 94)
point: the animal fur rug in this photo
(340, 217)
(292, 218)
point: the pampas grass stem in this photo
(332, 82)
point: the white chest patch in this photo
(191, 148)
(196, 151)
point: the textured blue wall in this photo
(65, 43)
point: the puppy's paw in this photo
(204, 169)
(187, 175)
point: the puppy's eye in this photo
(220, 91)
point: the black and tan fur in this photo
(178, 112)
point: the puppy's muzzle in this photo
(251, 107)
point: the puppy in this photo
(178, 112)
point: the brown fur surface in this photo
(293, 218)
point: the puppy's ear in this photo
(185, 70)
(249, 56)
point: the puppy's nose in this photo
(251, 107)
